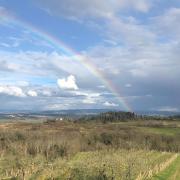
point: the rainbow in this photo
(57, 43)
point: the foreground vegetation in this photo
(134, 149)
(171, 172)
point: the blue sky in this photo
(121, 54)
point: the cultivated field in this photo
(90, 150)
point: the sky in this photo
(81, 54)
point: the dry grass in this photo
(68, 150)
(112, 164)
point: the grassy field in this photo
(164, 131)
(113, 164)
(91, 150)
(172, 172)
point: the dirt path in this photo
(170, 173)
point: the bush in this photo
(55, 151)
(106, 138)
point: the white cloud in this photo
(56, 106)
(46, 92)
(12, 91)
(82, 9)
(68, 83)
(101, 86)
(138, 72)
(116, 27)
(167, 108)
(5, 45)
(90, 97)
(128, 30)
(88, 94)
(167, 24)
(141, 5)
(89, 100)
(15, 44)
(38, 63)
(22, 83)
(128, 85)
(110, 104)
(110, 42)
(8, 66)
(32, 93)
(62, 62)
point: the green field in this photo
(164, 131)
(172, 172)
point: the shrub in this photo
(106, 138)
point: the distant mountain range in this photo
(79, 112)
